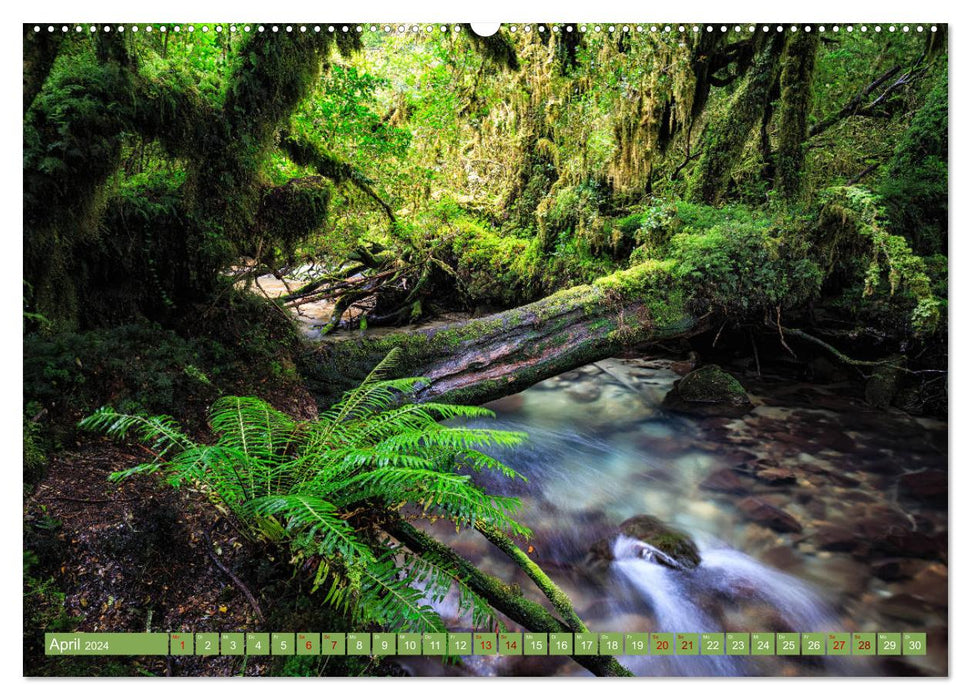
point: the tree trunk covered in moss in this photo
(75, 128)
(486, 358)
(731, 131)
(504, 598)
(40, 52)
(795, 104)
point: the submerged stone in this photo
(708, 391)
(757, 510)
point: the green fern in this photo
(319, 486)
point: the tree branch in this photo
(308, 155)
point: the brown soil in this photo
(134, 557)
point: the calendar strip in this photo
(487, 644)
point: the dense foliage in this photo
(325, 487)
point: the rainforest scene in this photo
(570, 328)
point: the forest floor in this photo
(138, 555)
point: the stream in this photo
(811, 513)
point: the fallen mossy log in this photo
(485, 358)
(504, 598)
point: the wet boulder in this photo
(665, 545)
(707, 392)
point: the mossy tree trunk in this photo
(505, 598)
(731, 131)
(76, 124)
(486, 358)
(795, 104)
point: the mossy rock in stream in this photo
(884, 384)
(708, 391)
(648, 529)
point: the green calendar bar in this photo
(384, 643)
(737, 643)
(434, 643)
(232, 643)
(181, 644)
(662, 643)
(864, 644)
(308, 644)
(787, 644)
(888, 644)
(561, 644)
(839, 644)
(686, 644)
(208, 644)
(283, 643)
(333, 644)
(485, 644)
(914, 643)
(611, 643)
(712, 643)
(813, 644)
(511, 644)
(763, 644)
(359, 643)
(637, 643)
(585, 644)
(460, 644)
(535, 644)
(106, 644)
(409, 644)
(258, 644)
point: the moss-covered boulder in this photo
(708, 391)
(885, 383)
(679, 549)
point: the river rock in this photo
(884, 383)
(776, 476)
(757, 510)
(781, 557)
(930, 584)
(724, 481)
(585, 392)
(507, 404)
(708, 391)
(652, 531)
(833, 538)
(905, 606)
(897, 541)
(896, 568)
(928, 485)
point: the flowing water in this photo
(847, 538)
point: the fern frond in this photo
(317, 519)
(299, 483)
(438, 579)
(160, 433)
(395, 603)
(251, 425)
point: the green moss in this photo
(852, 228)
(732, 129)
(914, 190)
(795, 106)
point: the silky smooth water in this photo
(601, 450)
